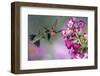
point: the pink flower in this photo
(72, 53)
(73, 35)
(85, 36)
(68, 43)
(75, 54)
(70, 22)
(85, 55)
(75, 25)
(76, 46)
(70, 34)
(66, 32)
(78, 29)
(81, 24)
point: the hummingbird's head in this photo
(53, 33)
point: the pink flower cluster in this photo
(75, 40)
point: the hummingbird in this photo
(45, 33)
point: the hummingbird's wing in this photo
(47, 31)
(36, 38)
(39, 36)
(37, 43)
